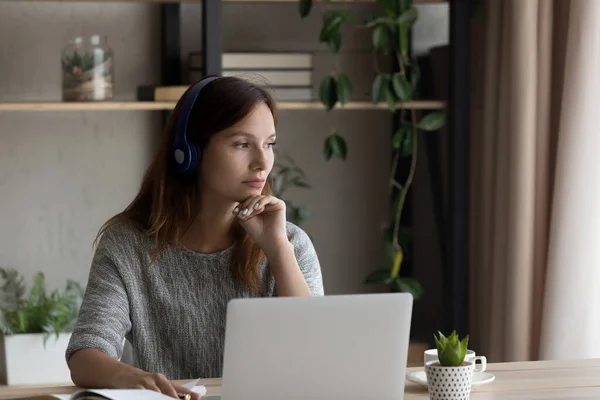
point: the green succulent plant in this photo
(451, 351)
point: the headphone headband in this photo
(185, 155)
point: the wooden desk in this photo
(548, 380)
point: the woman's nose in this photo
(259, 160)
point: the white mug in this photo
(470, 357)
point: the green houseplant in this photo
(40, 312)
(389, 28)
(26, 324)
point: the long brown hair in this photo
(167, 201)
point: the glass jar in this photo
(87, 70)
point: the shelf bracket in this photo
(170, 44)
(212, 36)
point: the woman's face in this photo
(236, 162)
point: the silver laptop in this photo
(327, 347)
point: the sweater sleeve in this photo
(307, 258)
(103, 319)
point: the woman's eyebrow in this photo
(247, 134)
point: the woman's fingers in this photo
(181, 389)
(256, 205)
(248, 207)
(164, 385)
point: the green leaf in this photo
(334, 42)
(335, 146)
(464, 343)
(404, 41)
(408, 18)
(331, 23)
(397, 264)
(439, 342)
(380, 276)
(328, 92)
(382, 38)
(410, 285)
(390, 97)
(399, 137)
(407, 143)
(390, 252)
(379, 83)
(37, 294)
(305, 7)
(432, 121)
(451, 351)
(12, 291)
(385, 21)
(402, 140)
(344, 88)
(401, 86)
(386, 6)
(404, 5)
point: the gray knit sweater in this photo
(173, 312)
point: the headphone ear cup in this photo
(195, 158)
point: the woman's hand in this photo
(151, 381)
(264, 219)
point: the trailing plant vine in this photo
(389, 29)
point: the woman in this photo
(203, 229)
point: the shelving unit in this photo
(169, 105)
(456, 274)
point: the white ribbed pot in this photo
(26, 361)
(451, 383)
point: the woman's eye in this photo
(241, 145)
(272, 144)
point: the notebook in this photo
(125, 394)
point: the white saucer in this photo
(479, 378)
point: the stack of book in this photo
(287, 75)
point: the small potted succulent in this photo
(451, 376)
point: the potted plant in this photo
(451, 376)
(389, 27)
(35, 329)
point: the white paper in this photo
(135, 394)
(190, 385)
(194, 387)
(62, 396)
(131, 394)
(201, 390)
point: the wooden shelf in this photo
(364, 105)
(174, 93)
(168, 105)
(87, 106)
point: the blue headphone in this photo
(185, 155)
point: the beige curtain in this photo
(534, 228)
